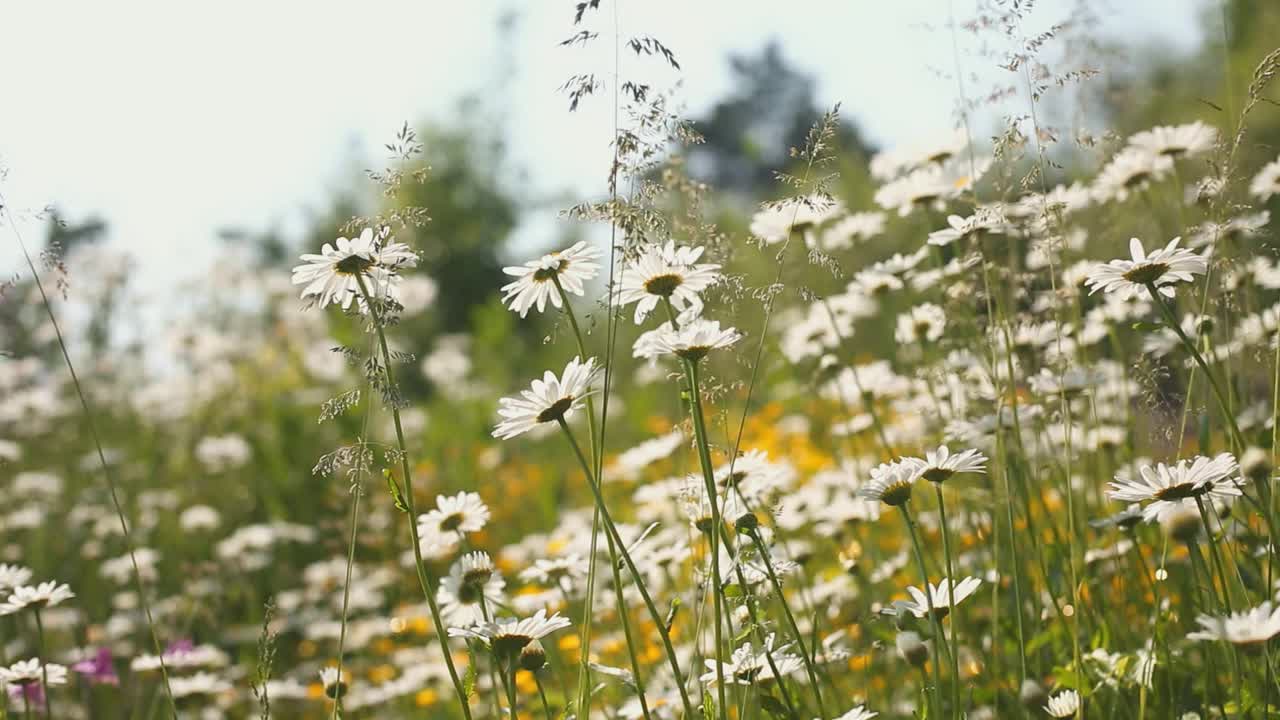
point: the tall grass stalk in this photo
(424, 580)
(90, 422)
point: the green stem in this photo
(612, 530)
(542, 695)
(442, 634)
(951, 601)
(87, 409)
(1171, 321)
(708, 477)
(44, 667)
(588, 613)
(791, 621)
(928, 596)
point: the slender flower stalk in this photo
(423, 580)
(90, 422)
(1171, 321)
(708, 476)
(935, 628)
(805, 654)
(612, 530)
(44, 667)
(951, 600)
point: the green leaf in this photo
(774, 706)
(395, 491)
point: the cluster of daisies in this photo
(1019, 464)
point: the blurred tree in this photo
(748, 134)
(1211, 83)
(20, 318)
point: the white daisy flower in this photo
(930, 186)
(547, 400)
(1170, 488)
(941, 595)
(31, 672)
(535, 281)
(471, 580)
(747, 667)
(335, 685)
(775, 222)
(1250, 628)
(508, 636)
(891, 482)
(1064, 704)
(201, 683)
(858, 713)
(1132, 169)
(691, 341)
(666, 272)
(940, 465)
(858, 227)
(1267, 182)
(1162, 268)
(1176, 141)
(454, 516)
(46, 594)
(11, 576)
(923, 323)
(333, 276)
(964, 228)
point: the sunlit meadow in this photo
(979, 427)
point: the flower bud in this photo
(1031, 695)
(747, 523)
(912, 648)
(533, 657)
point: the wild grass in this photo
(948, 445)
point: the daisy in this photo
(333, 276)
(31, 672)
(930, 186)
(747, 667)
(940, 465)
(46, 594)
(858, 227)
(1162, 269)
(454, 516)
(922, 323)
(1130, 170)
(547, 400)
(335, 684)
(1064, 704)
(692, 341)
(201, 683)
(666, 272)
(1169, 488)
(1126, 519)
(1248, 628)
(963, 228)
(1267, 182)
(508, 636)
(942, 596)
(470, 589)
(561, 572)
(11, 576)
(1176, 140)
(858, 713)
(536, 281)
(775, 222)
(891, 482)
(630, 463)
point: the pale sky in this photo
(172, 120)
